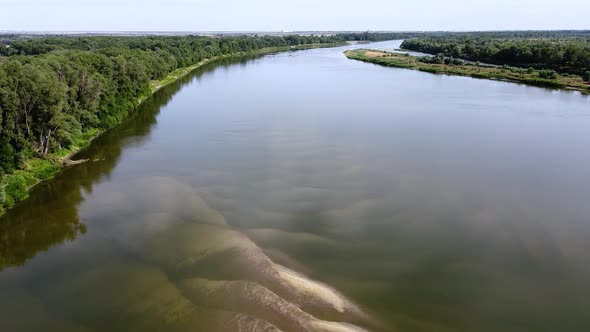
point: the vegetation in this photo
(56, 93)
(440, 64)
(561, 52)
(379, 36)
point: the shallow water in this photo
(298, 189)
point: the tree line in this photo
(565, 52)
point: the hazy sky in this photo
(276, 15)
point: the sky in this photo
(294, 15)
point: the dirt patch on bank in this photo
(374, 54)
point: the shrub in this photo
(452, 61)
(16, 188)
(587, 76)
(548, 74)
(7, 158)
(439, 58)
(9, 201)
(530, 70)
(458, 62)
(2, 198)
(425, 59)
(43, 169)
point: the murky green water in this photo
(405, 201)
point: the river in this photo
(304, 190)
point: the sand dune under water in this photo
(186, 270)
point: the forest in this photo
(564, 52)
(56, 91)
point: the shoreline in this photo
(495, 73)
(39, 169)
(181, 72)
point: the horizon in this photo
(300, 15)
(266, 31)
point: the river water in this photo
(307, 191)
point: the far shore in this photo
(498, 73)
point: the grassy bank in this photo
(502, 73)
(15, 187)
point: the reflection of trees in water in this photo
(24, 236)
(50, 215)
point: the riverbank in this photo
(500, 73)
(15, 187)
(181, 72)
